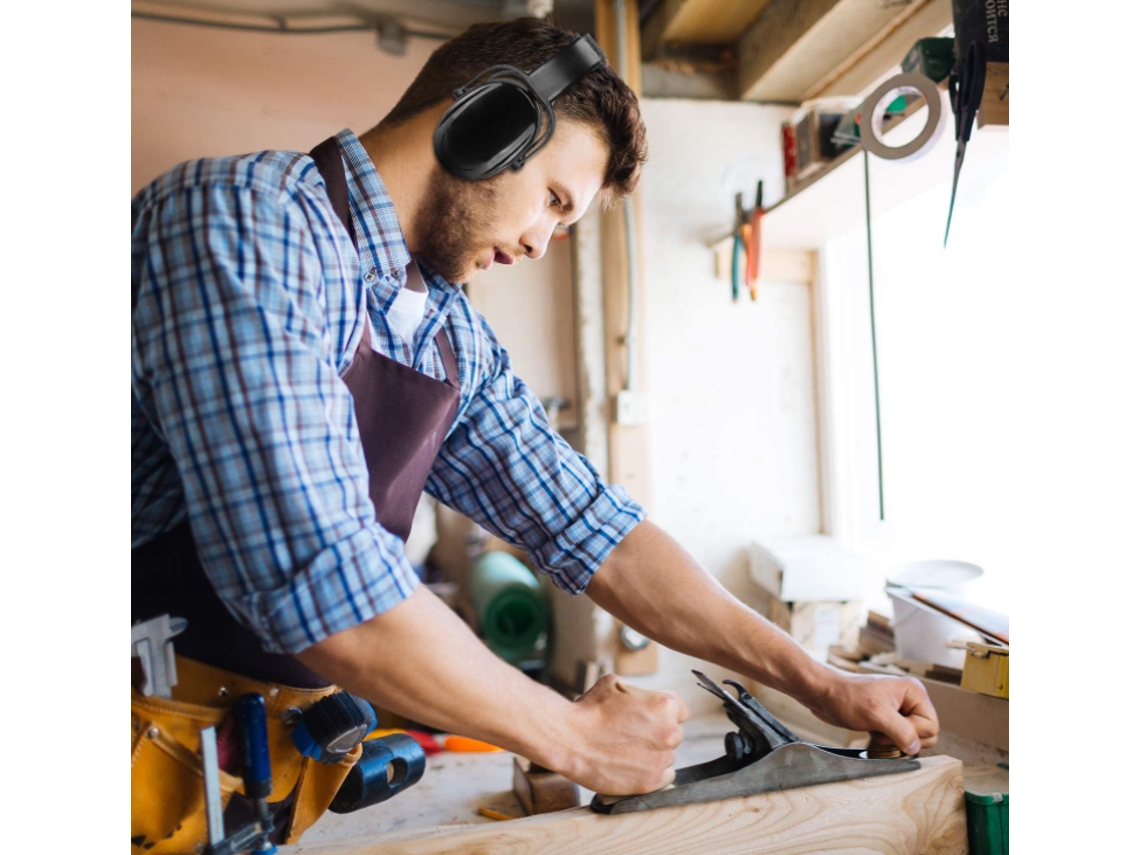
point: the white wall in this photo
(198, 92)
(734, 429)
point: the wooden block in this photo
(541, 791)
(634, 663)
(994, 109)
(921, 812)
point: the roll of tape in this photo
(875, 107)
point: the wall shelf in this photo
(819, 210)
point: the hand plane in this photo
(760, 757)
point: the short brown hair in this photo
(600, 98)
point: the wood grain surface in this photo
(915, 813)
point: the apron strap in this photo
(450, 365)
(327, 156)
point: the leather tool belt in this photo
(168, 813)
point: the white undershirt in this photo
(407, 311)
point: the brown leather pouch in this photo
(167, 789)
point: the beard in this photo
(454, 224)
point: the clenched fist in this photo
(897, 707)
(623, 738)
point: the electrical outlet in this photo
(632, 408)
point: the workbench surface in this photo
(456, 785)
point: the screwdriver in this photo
(255, 771)
(256, 778)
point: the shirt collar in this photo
(379, 236)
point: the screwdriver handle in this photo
(255, 771)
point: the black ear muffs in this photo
(496, 119)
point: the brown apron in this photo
(403, 416)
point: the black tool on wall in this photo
(504, 115)
(981, 35)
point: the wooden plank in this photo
(776, 265)
(862, 70)
(708, 21)
(541, 791)
(921, 811)
(796, 43)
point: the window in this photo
(946, 329)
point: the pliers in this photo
(746, 245)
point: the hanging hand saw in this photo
(760, 757)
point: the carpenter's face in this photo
(469, 225)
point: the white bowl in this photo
(943, 574)
(921, 632)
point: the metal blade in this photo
(214, 824)
(954, 188)
(761, 711)
(746, 717)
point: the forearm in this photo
(421, 661)
(652, 584)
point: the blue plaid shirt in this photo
(249, 303)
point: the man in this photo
(301, 365)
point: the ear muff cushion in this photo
(486, 129)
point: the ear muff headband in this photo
(495, 120)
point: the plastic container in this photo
(987, 810)
(510, 606)
(921, 632)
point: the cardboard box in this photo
(818, 624)
(809, 567)
(811, 588)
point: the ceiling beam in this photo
(705, 22)
(796, 43)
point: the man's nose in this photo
(536, 238)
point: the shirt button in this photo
(370, 276)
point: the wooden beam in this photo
(706, 22)
(796, 43)
(880, 57)
(710, 22)
(922, 812)
(628, 444)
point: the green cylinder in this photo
(509, 603)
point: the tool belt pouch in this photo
(168, 796)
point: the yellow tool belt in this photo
(168, 798)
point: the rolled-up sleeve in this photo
(510, 471)
(233, 364)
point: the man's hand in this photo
(897, 707)
(624, 738)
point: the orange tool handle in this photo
(754, 247)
